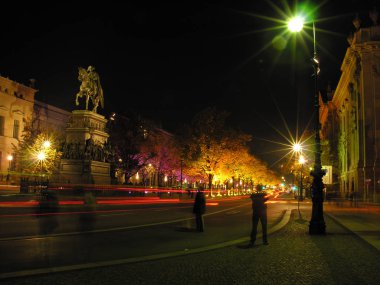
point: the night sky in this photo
(171, 59)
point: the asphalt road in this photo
(121, 231)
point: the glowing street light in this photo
(317, 224)
(10, 159)
(41, 156)
(137, 177)
(46, 144)
(181, 166)
(297, 147)
(296, 24)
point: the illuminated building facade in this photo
(351, 118)
(17, 106)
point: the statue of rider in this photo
(90, 87)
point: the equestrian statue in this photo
(90, 88)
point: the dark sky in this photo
(171, 59)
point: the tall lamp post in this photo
(41, 156)
(301, 161)
(9, 158)
(317, 224)
(297, 149)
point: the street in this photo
(122, 232)
(342, 256)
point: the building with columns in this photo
(350, 117)
(18, 105)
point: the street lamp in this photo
(41, 156)
(181, 166)
(9, 158)
(46, 144)
(297, 147)
(317, 224)
(301, 161)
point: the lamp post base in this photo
(317, 224)
(317, 228)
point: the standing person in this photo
(199, 208)
(46, 212)
(87, 218)
(259, 212)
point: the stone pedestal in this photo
(83, 160)
(79, 171)
(84, 125)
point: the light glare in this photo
(47, 144)
(41, 156)
(297, 147)
(296, 24)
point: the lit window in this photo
(16, 129)
(1, 125)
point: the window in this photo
(1, 125)
(16, 129)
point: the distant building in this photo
(17, 105)
(351, 118)
(50, 118)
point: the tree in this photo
(209, 144)
(132, 141)
(39, 155)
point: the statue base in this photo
(77, 171)
(86, 124)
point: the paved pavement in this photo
(347, 254)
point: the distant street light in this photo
(317, 224)
(297, 147)
(41, 156)
(181, 165)
(10, 159)
(46, 144)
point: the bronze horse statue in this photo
(90, 88)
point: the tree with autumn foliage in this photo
(132, 144)
(166, 160)
(207, 142)
(37, 152)
(210, 148)
(39, 156)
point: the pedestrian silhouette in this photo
(87, 217)
(199, 209)
(46, 212)
(87, 221)
(259, 212)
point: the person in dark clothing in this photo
(199, 209)
(87, 218)
(46, 211)
(259, 212)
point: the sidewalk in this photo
(363, 220)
